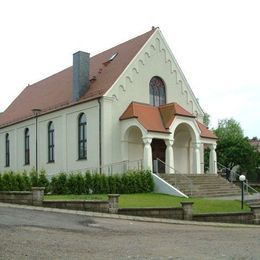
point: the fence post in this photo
(256, 213)
(37, 195)
(187, 210)
(113, 203)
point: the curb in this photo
(127, 217)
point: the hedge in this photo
(79, 183)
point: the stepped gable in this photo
(55, 92)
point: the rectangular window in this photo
(7, 151)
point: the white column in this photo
(213, 159)
(197, 160)
(169, 156)
(147, 158)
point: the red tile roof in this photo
(56, 91)
(169, 111)
(205, 132)
(159, 119)
(148, 116)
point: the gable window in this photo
(82, 136)
(50, 142)
(157, 92)
(7, 150)
(26, 147)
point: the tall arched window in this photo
(26, 147)
(82, 136)
(50, 142)
(157, 92)
(7, 150)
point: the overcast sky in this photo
(216, 43)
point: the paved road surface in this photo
(29, 234)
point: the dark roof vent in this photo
(113, 56)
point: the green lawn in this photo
(161, 200)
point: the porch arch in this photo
(186, 148)
(132, 144)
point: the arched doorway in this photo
(158, 151)
(134, 144)
(184, 160)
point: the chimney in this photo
(81, 81)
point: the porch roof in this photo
(148, 116)
(159, 119)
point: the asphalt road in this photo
(30, 234)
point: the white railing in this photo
(116, 168)
(174, 175)
(232, 176)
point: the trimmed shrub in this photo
(27, 181)
(88, 182)
(43, 181)
(33, 177)
(59, 184)
(78, 183)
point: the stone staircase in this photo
(203, 185)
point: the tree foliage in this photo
(233, 148)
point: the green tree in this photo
(206, 119)
(235, 149)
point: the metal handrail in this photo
(237, 176)
(174, 174)
(109, 167)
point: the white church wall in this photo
(66, 140)
(155, 59)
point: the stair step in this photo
(203, 185)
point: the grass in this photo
(161, 200)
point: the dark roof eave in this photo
(163, 132)
(207, 137)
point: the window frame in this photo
(157, 91)
(51, 143)
(82, 137)
(7, 150)
(26, 146)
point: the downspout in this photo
(100, 135)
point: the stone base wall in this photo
(16, 197)
(239, 217)
(172, 213)
(86, 205)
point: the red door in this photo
(158, 151)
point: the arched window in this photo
(26, 147)
(7, 150)
(82, 136)
(50, 142)
(157, 92)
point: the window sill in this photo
(50, 162)
(82, 159)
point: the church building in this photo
(127, 106)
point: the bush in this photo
(77, 183)
(33, 177)
(43, 181)
(59, 184)
(88, 183)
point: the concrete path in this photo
(40, 233)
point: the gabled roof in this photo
(55, 91)
(159, 119)
(148, 116)
(205, 132)
(169, 111)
